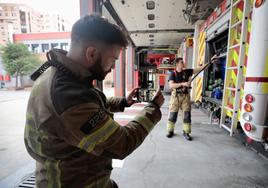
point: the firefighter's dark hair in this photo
(94, 28)
(178, 60)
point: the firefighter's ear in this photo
(91, 53)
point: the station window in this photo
(64, 46)
(35, 48)
(45, 47)
(54, 45)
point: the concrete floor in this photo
(13, 155)
(212, 159)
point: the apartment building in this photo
(19, 18)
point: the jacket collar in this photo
(60, 56)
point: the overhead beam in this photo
(163, 31)
(108, 5)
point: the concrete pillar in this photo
(130, 67)
(120, 75)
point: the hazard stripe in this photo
(201, 47)
(199, 89)
(233, 64)
(236, 57)
(199, 95)
(201, 61)
(240, 8)
(202, 36)
(199, 80)
(199, 86)
(202, 39)
(202, 50)
(201, 53)
(201, 57)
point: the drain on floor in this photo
(27, 183)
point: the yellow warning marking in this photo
(266, 65)
(265, 85)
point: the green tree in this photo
(18, 61)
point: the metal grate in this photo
(27, 183)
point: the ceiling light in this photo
(151, 25)
(150, 5)
(151, 17)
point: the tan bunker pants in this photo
(179, 101)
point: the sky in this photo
(69, 9)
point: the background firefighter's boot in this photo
(187, 136)
(170, 129)
(170, 134)
(186, 131)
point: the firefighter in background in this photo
(180, 96)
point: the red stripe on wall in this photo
(257, 79)
(41, 36)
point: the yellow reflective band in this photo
(186, 127)
(145, 122)
(102, 134)
(170, 126)
(33, 135)
(53, 174)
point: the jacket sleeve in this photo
(116, 104)
(91, 128)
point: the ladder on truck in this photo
(239, 28)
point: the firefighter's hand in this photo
(215, 59)
(131, 95)
(158, 98)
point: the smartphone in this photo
(145, 95)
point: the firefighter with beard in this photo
(70, 130)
